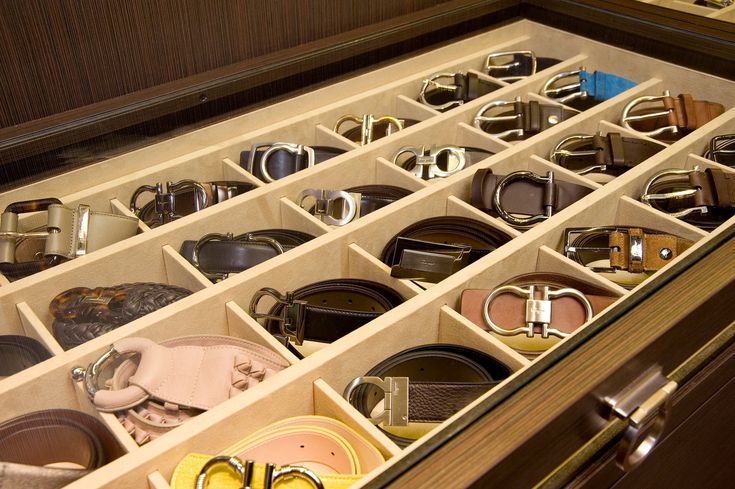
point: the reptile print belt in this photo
(722, 149)
(532, 312)
(339, 207)
(368, 128)
(511, 66)
(526, 119)
(272, 161)
(586, 89)
(438, 162)
(422, 386)
(461, 88)
(17, 353)
(432, 249)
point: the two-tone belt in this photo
(367, 128)
(81, 314)
(703, 198)
(673, 118)
(532, 312)
(339, 207)
(18, 353)
(325, 311)
(68, 233)
(216, 256)
(722, 149)
(306, 451)
(587, 89)
(438, 161)
(182, 198)
(422, 386)
(461, 88)
(511, 66)
(596, 154)
(434, 248)
(523, 198)
(526, 118)
(272, 161)
(31, 443)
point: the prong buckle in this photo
(547, 181)
(647, 196)
(335, 207)
(295, 149)
(627, 118)
(367, 124)
(290, 320)
(426, 160)
(395, 401)
(207, 238)
(635, 251)
(564, 93)
(490, 67)
(432, 81)
(558, 155)
(245, 471)
(480, 118)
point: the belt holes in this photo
(349, 301)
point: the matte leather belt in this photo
(718, 4)
(587, 90)
(183, 198)
(703, 198)
(272, 161)
(424, 384)
(611, 154)
(526, 118)
(442, 161)
(722, 149)
(339, 207)
(432, 249)
(312, 452)
(30, 442)
(524, 193)
(510, 66)
(68, 233)
(218, 255)
(81, 314)
(680, 115)
(18, 353)
(369, 128)
(532, 312)
(463, 87)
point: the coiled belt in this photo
(463, 87)
(18, 353)
(272, 161)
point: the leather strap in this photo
(31, 442)
(680, 115)
(521, 66)
(722, 150)
(427, 163)
(283, 160)
(18, 353)
(380, 129)
(464, 88)
(530, 118)
(341, 207)
(688, 114)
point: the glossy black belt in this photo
(511, 66)
(438, 161)
(424, 384)
(339, 207)
(18, 353)
(462, 87)
(272, 161)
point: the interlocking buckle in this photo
(427, 166)
(165, 202)
(367, 124)
(291, 318)
(335, 207)
(564, 93)
(548, 182)
(538, 311)
(432, 82)
(295, 149)
(647, 197)
(491, 67)
(395, 400)
(718, 147)
(558, 154)
(480, 118)
(245, 471)
(208, 238)
(627, 118)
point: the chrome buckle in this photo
(571, 252)
(627, 118)
(480, 118)
(293, 329)
(559, 154)
(367, 123)
(165, 202)
(395, 402)
(538, 311)
(648, 197)
(295, 149)
(426, 160)
(564, 93)
(246, 470)
(718, 146)
(548, 182)
(490, 67)
(335, 207)
(432, 81)
(215, 276)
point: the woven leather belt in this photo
(81, 314)
(587, 88)
(216, 256)
(183, 198)
(511, 66)
(703, 198)
(532, 312)
(525, 193)
(722, 149)
(611, 154)
(432, 249)
(33, 440)
(339, 207)
(526, 118)
(424, 384)
(368, 128)
(272, 161)
(462, 87)
(68, 233)
(442, 161)
(18, 353)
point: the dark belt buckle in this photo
(425, 261)
(718, 149)
(628, 120)
(522, 222)
(491, 67)
(291, 318)
(427, 166)
(564, 93)
(559, 154)
(648, 198)
(481, 118)
(431, 82)
(165, 202)
(9, 233)
(588, 254)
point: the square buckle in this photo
(718, 149)
(432, 81)
(564, 93)
(426, 261)
(10, 235)
(491, 67)
(627, 118)
(480, 117)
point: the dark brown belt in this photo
(526, 118)
(511, 66)
(368, 128)
(432, 249)
(18, 353)
(424, 384)
(463, 87)
(722, 149)
(272, 161)
(33, 440)
(339, 207)
(442, 161)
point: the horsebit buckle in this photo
(547, 181)
(427, 166)
(290, 319)
(367, 124)
(245, 472)
(165, 202)
(295, 149)
(335, 207)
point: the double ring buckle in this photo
(538, 311)
(217, 276)
(165, 202)
(627, 118)
(290, 320)
(335, 207)
(548, 182)
(295, 149)
(395, 400)
(490, 67)
(245, 472)
(647, 197)
(559, 154)
(367, 124)
(432, 81)
(427, 167)
(480, 118)
(564, 93)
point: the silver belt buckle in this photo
(165, 202)
(395, 400)
(426, 160)
(548, 181)
(245, 471)
(564, 93)
(647, 197)
(432, 81)
(294, 149)
(559, 154)
(480, 117)
(627, 118)
(335, 207)
(491, 67)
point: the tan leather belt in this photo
(272, 161)
(462, 87)
(526, 118)
(438, 161)
(18, 353)
(340, 207)
(368, 128)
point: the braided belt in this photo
(423, 385)
(526, 119)
(511, 66)
(463, 87)
(339, 207)
(18, 353)
(272, 161)
(438, 162)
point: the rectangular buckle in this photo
(490, 66)
(426, 261)
(564, 93)
(628, 118)
(480, 118)
(718, 151)
(9, 233)
(647, 197)
(573, 252)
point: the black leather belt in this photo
(432, 249)
(424, 384)
(461, 88)
(511, 66)
(218, 255)
(339, 207)
(368, 128)
(18, 353)
(272, 161)
(438, 161)
(526, 118)
(722, 149)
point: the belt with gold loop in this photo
(68, 233)
(511, 66)
(17, 353)
(438, 161)
(272, 161)
(368, 128)
(340, 207)
(586, 89)
(462, 87)
(421, 386)
(526, 119)
(722, 149)
(534, 311)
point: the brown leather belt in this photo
(525, 193)
(424, 384)
(369, 128)
(526, 118)
(339, 207)
(30, 442)
(463, 87)
(722, 149)
(18, 353)
(442, 161)
(272, 161)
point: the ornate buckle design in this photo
(207, 238)
(165, 202)
(558, 154)
(395, 400)
(491, 67)
(427, 166)
(432, 82)
(538, 311)
(627, 119)
(480, 117)
(295, 149)
(335, 207)
(548, 182)
(367, 123)
(290, 320)
(246, 470)
(564, 93)
(647, 197)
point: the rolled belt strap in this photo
(465, 87)
(722, 150)
(284, 159)
(525, 120)
(438, 161)
(521, 66)
(341, 207)
(17, 353)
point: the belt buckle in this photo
(480, 118)
(290, 328)
(165, 202)
(426, 160)
(718, 146)
(245, 471)
(538, 311)
(548, 182)
(627, 118)
(335, 207)
(564, 93)
(395, 400)
(207, 238)
(490, 66)
(294, 149)
(573, 252)
(367, 123)
(432, 81)
(559, 154)
(647, 197)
